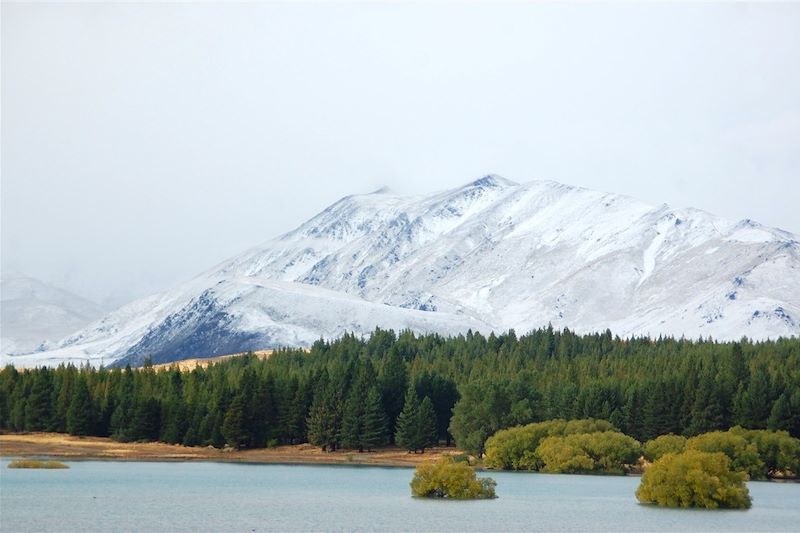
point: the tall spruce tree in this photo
(657, 412)
(783, 416)
(38, 407)
(64, 398)
(146, 422)
(173, 410)
(324, 419)
(261, 412)
(353, 421)
(393, 382)
(426, 425)
(233, 425)
(407, 433)
(299, 408)
(756, 403)
(286, 420)
(354, 409)
(80, 415)
(707, 412)
(374, 427)
(123, 406)
(444, 394)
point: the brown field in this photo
(69, 447)
(190, 364)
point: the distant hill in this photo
(33, 312)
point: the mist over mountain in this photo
(33, 312)
(490, 255)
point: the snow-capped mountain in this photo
(492, 254)
(33, 312)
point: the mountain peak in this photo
(489, 255)
(493, 180)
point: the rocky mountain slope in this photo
(490, 255)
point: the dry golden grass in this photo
(33, 463)
(191, 364)
(67, 446)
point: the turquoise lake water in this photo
(195, 496)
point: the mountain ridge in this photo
(490, 255)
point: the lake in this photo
(196, 496)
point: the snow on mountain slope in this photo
(492, 254)
(32, 312)
(524, 255)
(234, 315)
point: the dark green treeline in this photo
(361, 394)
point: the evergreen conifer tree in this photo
(146, 422)
(286, 419)
(706, 412)
(38, 407)
(758, 400)
(393, 383)
(299, 411)
(80, 415)
(781, 417)
(374, 427)
(657, 412)
(233, 424)
(426, 425)
(324, 418)
(353, 421)
(64, 399)
(407, 432)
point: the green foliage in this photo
(743, 454)
(146, 422)
(80, 415)
(785, 412)
(406, 432)
(476, 386)
(706, 412)
(515, 448)
(416, 425)
(394, 378)
(488, 405)
(778, 451)
(600, 452)
(754, 403)
(324, 419)
(373, 430)
(447, 478)
(472, 420)
(694, 479)
(656, 448)
(233, 424)
(364, 421)
(443, 394)
(38, 405)
(426, 424)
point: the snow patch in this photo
(650, 253)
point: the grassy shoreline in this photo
(67, 447)
(61, 446)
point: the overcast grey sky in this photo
(143, 143)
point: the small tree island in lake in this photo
(35, 463)
(447, 478)
(694, 479)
